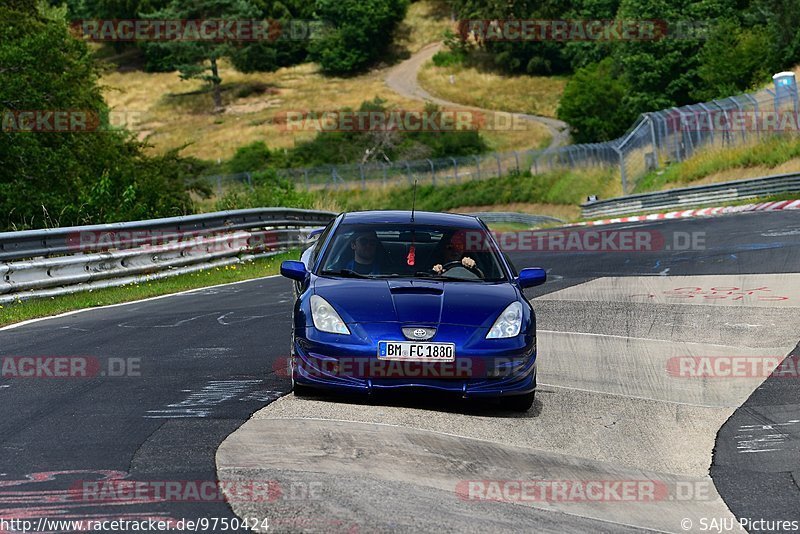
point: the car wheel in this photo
(302, 391)
(519, 403)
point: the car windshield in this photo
(411, 250)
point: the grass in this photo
(774, 156)
(170, 113)
(565, 212)
(536, 95)
(554, 193)
(33, 308)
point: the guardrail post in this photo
(433, 172)
(455, 169)
(710, 120)
(653, 139)
(516, 157)
(410, 177)
(739, 108)
(622, 171)
(499, 168)
(363, 177)
(478, 166)
(757, 117)
(305, 177)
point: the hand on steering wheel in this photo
(467, 263)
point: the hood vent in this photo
(416, 290)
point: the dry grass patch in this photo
(177, 112)
(536, 95)
(170, 113)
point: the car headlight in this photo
(325, 317)
(508, 324)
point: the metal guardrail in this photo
(688, 197)
(518, 218)
(37, 263)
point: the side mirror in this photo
(531, 277)
(296, 270)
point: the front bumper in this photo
(349, 364)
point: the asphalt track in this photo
(606, 410)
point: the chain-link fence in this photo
(656, 139)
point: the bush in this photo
(268, 190)
(593, 103)
(252, 157)
(447, 58)
(384, 145)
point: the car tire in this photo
(302, 391)
(519, 403)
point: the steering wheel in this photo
(450, 265)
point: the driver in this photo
(365, 256)
(454, 250)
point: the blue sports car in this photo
(396, 300)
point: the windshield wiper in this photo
(428, 276)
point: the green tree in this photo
(592, 103)
(357, 32)
(735, 59)
(198, 59)
(295, 18)
(70, 177)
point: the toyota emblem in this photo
(419, 332)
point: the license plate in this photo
(416, 352)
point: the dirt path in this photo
(402, 79)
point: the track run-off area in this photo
(668, 401)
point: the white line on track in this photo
(75, 312)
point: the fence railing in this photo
(688, 197)
(655, 139)
(38, 263)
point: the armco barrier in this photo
(688, 197)
(37, 263)
(518, 218)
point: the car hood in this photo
(416, 301)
